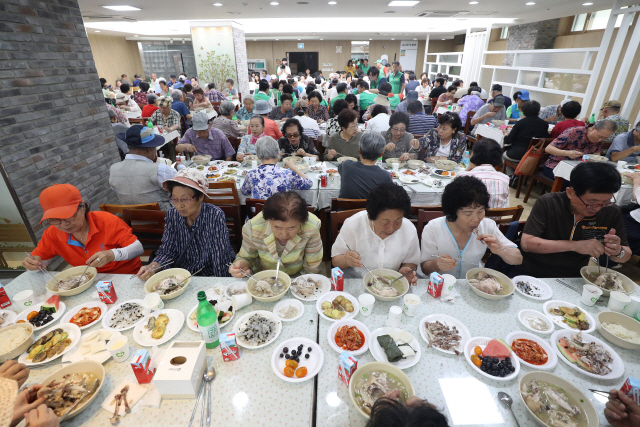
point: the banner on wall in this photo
(408, 54)
(215, 54)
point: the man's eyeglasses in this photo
(598, 205)
(292, 135)
(56, 221)
(183, 201)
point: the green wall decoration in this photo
(216, 68)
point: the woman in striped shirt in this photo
(195, 236)
(285, 231)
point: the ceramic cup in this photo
(411, 303)
(24, 299)
(449, 283)
(394, 319)
(395, 166)
(621, 164)
(312, 161)
(590, 295)
(366, 304)
(306, 160)
(153, 301)
(241, 300)
(633, 307)
(118, 346)
(618, 301)
(254, 164)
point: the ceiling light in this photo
(333, 2)
(370, 39)
(443, 39)
(403, 3)
(121, 8)
(277, 39)
(392, 39)
(587, 4)
(217, 4)
(255, 40)
(97, 31)
(274, 3)
(136, 35)
(415, 39)
(321, 39)
(474, 2)
(299, 39)
(529, 3)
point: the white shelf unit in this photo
(446, 63)
(550, 75)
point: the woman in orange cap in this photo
(81, 237)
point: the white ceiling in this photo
(318, 19)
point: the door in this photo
(300, 61)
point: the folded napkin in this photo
(136, 391)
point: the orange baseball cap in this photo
(59, 201)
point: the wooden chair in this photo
(234, 224)
(468, 127)
(15, 235)
(223, 193)
(538, 176)
(118, 209)
(505, 226)
(423, 219)
(183, 125)
(235, 143)
(255, 206)
(434, 101)
(337, 220)
(347, 204)
(514, 165)
(139, 121)
(505, 215)
(216, 106)
(140, 105)
(413, 215)
(147, 226)
(318, 144)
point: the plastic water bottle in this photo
(150, 124)
(379, 162)
(465, 159)
(207, 319)
(592, 119)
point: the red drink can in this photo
(323, 180)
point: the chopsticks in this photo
(634, 392)
(567, 285)
(404, 275)
(159, 267)
(369, 271)
(44, 270)
(189, 276)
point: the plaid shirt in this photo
(215, 96)
(622, 126)
(549, 111)
(573, 139)
(119, 115)
(430, 143)
(140, 97)
(158, 119)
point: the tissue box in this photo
(181, 369)
(337, 279)
(347, 365)
(629, 385)
(140, 364)
(106, 292)
(4, 298)
(436, 282)
(229, 347)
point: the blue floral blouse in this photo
(246, 147)
(267, 180)
(243, 114)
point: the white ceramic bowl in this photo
(415, 164)
(598, 159)
(616, 366)
(625, 179)
(393, 160)
(313, 363)
(294, 159)
(203, 162)
(345, 158)
(75, 271)
(387, 273)
(545, 290)
(330, 296)
(22, 347)
(622, 320)
(83, 366)
(379, 354)
(242, 321)
(234, 287)
(532, 313)
(504, 281)
(450, 321)
(482, 342)
(289, 302)
(265, 275)
(164, 274)
(552, 358)
(447, 165)
(250, 158)
(331, 335)
(367, 368)
(568, 387)
(557, 320)
(628, 285)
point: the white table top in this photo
(454, 109)
(489, 132)
(564, 168)
(132, 114)
(167, 136)
(246, 391)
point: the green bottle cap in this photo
(202, 295)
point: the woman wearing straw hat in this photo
(195, 235)
(81, 237)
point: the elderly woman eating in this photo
(380, 237)
(269, 179)
(81, 237)
(294, 142)
(456, 242)
(246, 112)
(248, 142)
(347, 141)
(445, 142)
(283, 111)
(398, 139)
(196, 237)
(284, 231)
(316, 110)
(201, 101)
(225, 121)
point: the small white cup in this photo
(306, 160)
(24, 299)
(254, 164)
(366, 304)
(449, 283)
(633, 307)
(241, 300)
(118, 346)
(590, 295)
(395, 166)
(618, 301)
(394, 319)
(312, 161)
(153, 301)
(621, 164)
(411, 303)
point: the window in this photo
(598, 20)
(595, 20)
(578, 22)
(504, 33)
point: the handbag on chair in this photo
(529, 162)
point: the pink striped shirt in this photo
(497, 184)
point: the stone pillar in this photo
(535, 35)
(221, 53)
(54, 126)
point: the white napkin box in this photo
(179, 373)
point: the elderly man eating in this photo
(200, 100)
(225, 122)
(207, 140)
(489, 111)
(179, 106)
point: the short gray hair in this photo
(152, 98)
(176, 95)
(267, 148)
(606, 125)
(371, 145)
(249, 98)
(226, 108)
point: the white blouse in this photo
(399, 248)
(437, 239)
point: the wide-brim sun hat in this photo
(190, 177)
(262, 107)
(141, 136)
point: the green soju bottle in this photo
(207, 319)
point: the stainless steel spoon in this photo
(507, 401)
(208, 377)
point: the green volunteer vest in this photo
(394, 79)
(366, 99)
(339, 96)
(262, 96)
(394, 101)
(365, 68)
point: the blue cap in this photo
(524, 95)
(141, 136)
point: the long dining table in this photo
(247, 392)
